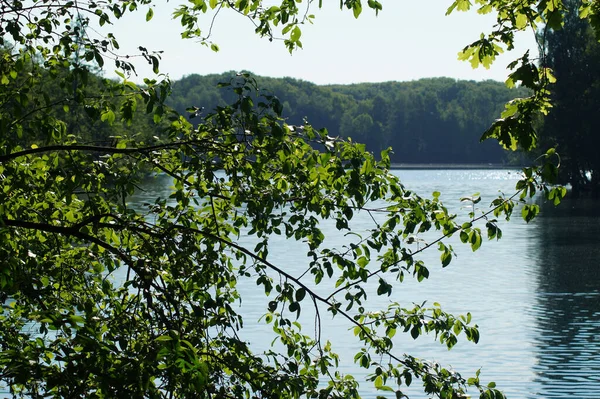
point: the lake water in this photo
(535, 294)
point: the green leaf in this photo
(414, 332)
(108, 116)
(362, 261)
(378, 383)
(356, 8)
(76, 319)
(149, 14)
(521, 21)
(296, 33)
(300, 294)
(475, 240)
(273, 306)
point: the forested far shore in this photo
(435, 120)
(428, 121)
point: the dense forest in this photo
(99, 121)
(437, 120)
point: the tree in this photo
(169, 327)
(574, 56)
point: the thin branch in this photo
(212, 22)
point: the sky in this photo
(408, 40)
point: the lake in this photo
(535, 295)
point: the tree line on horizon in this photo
(432, 120)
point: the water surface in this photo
(534, 294)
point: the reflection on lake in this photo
(538, 301)
(568, 302)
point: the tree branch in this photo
(299, 283)
(93, 148)
(74, 232)
(429, 245)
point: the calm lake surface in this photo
(535, 294)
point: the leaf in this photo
(362, 261)
(375, 5)
(296, 33)
(414, 332)
(108, 116)
(521, 21)
(294, 307)
(378, 383)
(149, 14)
(407, 378)
(460, 5)
(300, 294)
(272, 306)
(446, 258)
(475, 240)
(74, 319)
(98, 58)
(356, 8)
(554, 19)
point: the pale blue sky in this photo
(407, 41)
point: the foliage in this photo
(426, 121)
(103, 299)
(574, 55)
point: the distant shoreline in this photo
(452, 166)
